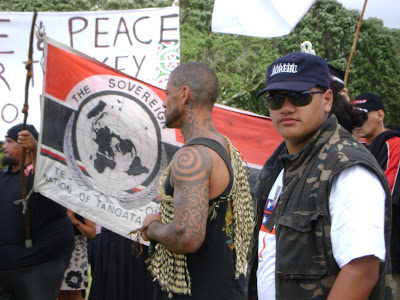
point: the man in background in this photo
(30, 272)
(385, 146)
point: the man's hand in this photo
(146, 223)
(26, 140)
(71, 215)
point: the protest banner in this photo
(103, 141)
(143, 43)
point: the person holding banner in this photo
(323, 202)
(35, 272)
(206, 211)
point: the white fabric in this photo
(267, 246)
(357, 208)
(260, 18)
(76, 274)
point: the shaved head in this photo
(201, 80)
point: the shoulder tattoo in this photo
(192, 163)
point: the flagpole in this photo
(353, 48)
(29, 75)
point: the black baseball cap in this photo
(13, 131)
(297, 72)
(368, 102)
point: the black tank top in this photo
(212, 266)
(217, 147)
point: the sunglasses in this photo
(275, 102)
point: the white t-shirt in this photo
(357, 208)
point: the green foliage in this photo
(126, 4)
(241, 62)
(40, 5)
(79, 5)
(329, 26)
(375, 66)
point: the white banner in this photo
(141, 43)
(259, 18)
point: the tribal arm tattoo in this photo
(190, 173)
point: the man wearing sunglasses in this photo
(385, 146)
(323, 203)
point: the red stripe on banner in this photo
(255, 136)
(61, 78)
(48, 152)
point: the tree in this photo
(241, 62)
(375, 67)
(38, 5)
(78, 5)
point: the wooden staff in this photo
(29, 75)
(353, 48)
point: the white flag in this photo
(260, 18)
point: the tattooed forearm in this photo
(190, 173)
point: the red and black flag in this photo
(103, 143)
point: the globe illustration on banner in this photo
(118, 142)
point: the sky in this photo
(386, 10)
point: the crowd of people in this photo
(325, 223)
